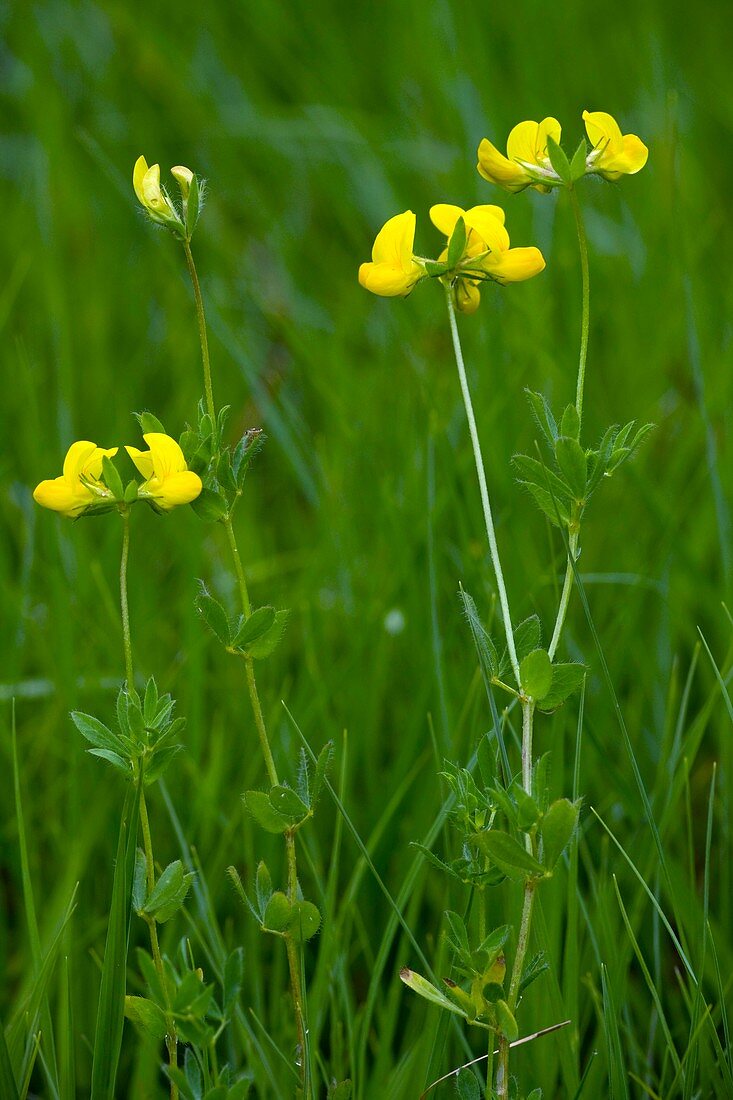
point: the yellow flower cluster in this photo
(82, 486)
(478, 243)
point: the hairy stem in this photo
(585, 316)
(485, 502)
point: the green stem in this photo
(292, 869)
(565, 595)
(485, 502)
(585, 317)
(203, 338)
(124, 606)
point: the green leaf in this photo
(577, 164)
(149, 423)
(263, 886)
(428, 991)
(253, 627)
(159, 763)
(111, 477)
(169, 892)
(97, 734)
(458, 935)
(262, 810)
(527, 636)
(305, 920)
(559, 160)
(267, 642)
(286, 802)
(340, 1091)
(570, 423)
(509, 855)
(492, 946)
(566, 679)
(246, 450)
(505, 1020)
(535, 673)
(210, 506)
(112, 758)
(573, 464)
(435, 268)
(461, 998)
(146, 1014)
(131, 492)
(467, 1086)
(543, 415)
(323, 763)
(213, 615)
(457, 243)
(558, 826)
(488, 657)
(535, 968)
(551, 507)
(277, 913)
(8, 1087)
(527, 809)
(233, 978)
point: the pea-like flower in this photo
(487, 253)
(527, 163)
(394, 269)
(168, 481)
(80, 486)
(613, 154)
(152, 197)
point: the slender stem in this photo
(564, 596)
(171, 1038)
(486, 504)
(585, 317)
(292, 870)
(203, 338)
(124, 606)
(527, 724)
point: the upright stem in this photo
(203, 338)
(485, 502)
(291, 856)
(564, 595)
(585, 316)
(124, 606)
(171, 1039)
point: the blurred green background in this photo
(313, 123)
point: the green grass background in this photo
(313, 123)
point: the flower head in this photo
(152, 197)
(487, 253)
(393, 271)
(80, 485)
(168, 481)
(613, 154)
(527, 163)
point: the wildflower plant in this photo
(506, 825)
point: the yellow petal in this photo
(603, 131)
(138, 175)
(166, 454)
(60, 496)
(77, 456)
(444, 217)
(152, 194)
(467, 296)
(489, 227)
(180, 488)
(549, 127)
(182, 175)
(496, 168)
(628, 162)
(514, 265)
(522, 142)
(143, 461)
(395, 241)
(93, 465)
(386, 280)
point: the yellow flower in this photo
(393, 270)
(487, 244)
(614, 154)
(80, 486)
(183, 177)
(168, 481)
(152, 196)
(526, 163)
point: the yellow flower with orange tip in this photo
(394, 270)
(80, 486)
(487, 253)
(527, 163)
(152, 197)
(613, 154)
(168, 481)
